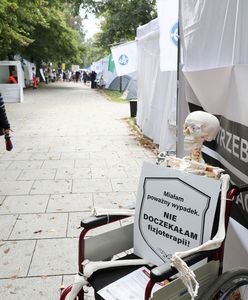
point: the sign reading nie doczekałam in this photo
(174, 212)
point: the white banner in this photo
(216, 67)
(125, 58)
(168, 23)
(174, 212)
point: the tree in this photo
(17, 21)
(41, 30)
(120, 19)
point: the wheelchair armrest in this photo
(165, 271)
(97, 221)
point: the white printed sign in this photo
(168, 40)
(125, 58)
(174, 212)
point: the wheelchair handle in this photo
(242, 188)
(165, 271)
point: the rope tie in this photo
(187, 275)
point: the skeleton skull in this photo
(199, 126)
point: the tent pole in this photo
(179, 134)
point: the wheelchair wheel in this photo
(232, 285)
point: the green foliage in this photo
(120, 19)
(40, 30)
(17, 20)
(51, 30)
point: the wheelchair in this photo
(213, 284)
(178, 281)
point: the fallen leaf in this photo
(6, 251)
(38, 231)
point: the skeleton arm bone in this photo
(92, 266)
(188, 275)
(98, 211)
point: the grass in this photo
(113, 95)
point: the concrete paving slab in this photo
(54, 257)
(75, 155)
(114, 172)
(15, 258)
(8, 175)
(104, 155)
(2, 199)
(114, 199)
(37, 174)
(73, 173)
(34, 149)
(45, 156)
(92, 162)
(24, 204)
(125, 184)
(15, 156)
(51, 187)
(38, 288)
(39, 226)
(7, 223)
(70, 202)
(55, 164)
(26, 164)
(133, 171)
(15, 187)
(4, 164)
(91, 185)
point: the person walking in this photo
(92, 79)
(4, 125)
(84, 77)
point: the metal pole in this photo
(120, 84)
(178, 129)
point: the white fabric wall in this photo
(156, 110)
(215, 49)
(214, 33)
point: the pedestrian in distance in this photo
(92, 79)
(84, 77)
(34, 78)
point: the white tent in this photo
(215, 49)
(28, 73)
(156, 110)
(101, 68)
(11, 92)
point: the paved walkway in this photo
(72, 150)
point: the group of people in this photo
(77, 76)
(83, 76)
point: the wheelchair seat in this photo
(102, 278)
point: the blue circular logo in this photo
(174, 34)
(123, 60)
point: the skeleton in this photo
(199, 127)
